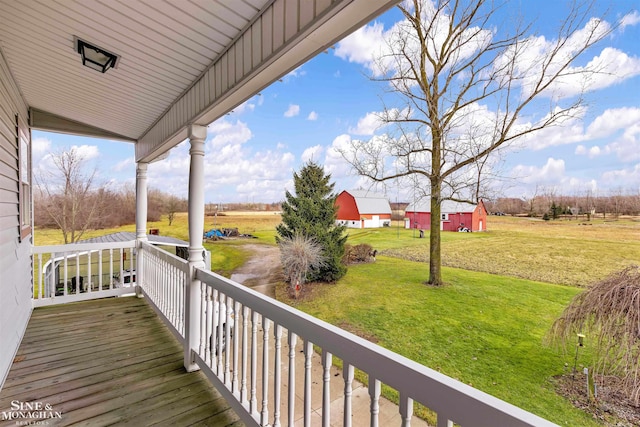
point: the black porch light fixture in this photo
(94, 57)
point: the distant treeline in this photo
(612, 205)
(116, 208)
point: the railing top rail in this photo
(76, 247)
(161, 252)
(431, 388)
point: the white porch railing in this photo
(251, 358)
(249, 370)
(259, 353)
(82, 271)
(165, 277)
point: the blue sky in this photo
(252, 152)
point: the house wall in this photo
(15, 251)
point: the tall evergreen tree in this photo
(312, 212)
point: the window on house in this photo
(24, 154)
(444, 217)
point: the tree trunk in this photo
(435, 274)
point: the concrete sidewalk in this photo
(389, 413)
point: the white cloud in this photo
(592, 152)
(40, 147)
(627, 146)
(612, 120)
(87, 152)
(552, 172)
(248, 105)
(312, 153)
(292, 111)
(225, 132)
(125, 164)
(367, 125)
(312, 116)
(630, 19)
(363, 45)
(623, 178)
(334, 163)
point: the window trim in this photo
(25, 180)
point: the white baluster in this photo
(203, 318)
(100, 281)
(234, 382)
(347, 373)
(277, 375)
(406, 410)
(110, 268)
(326, 388)
(245, 349)
(227, 339)
(292, 377)
(66, 276)
(264, 414)
(89, 261)
(253, 405)
(374, 394)
(38, 291)
(208, 326)
(77, 291)
(214, 331)
(308, 352)
(221, 318)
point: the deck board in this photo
(109, 362)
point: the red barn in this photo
(454, 215)
(363, 209)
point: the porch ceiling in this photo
(180, 61)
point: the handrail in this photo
(452, 400)
(82, 271)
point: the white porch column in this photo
(141, 221)
(141, 201)
(197, 135)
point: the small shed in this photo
(363, 209)
(453, 216)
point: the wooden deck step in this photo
(109, 362)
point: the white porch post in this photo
(141, 221)
(141, 201)
(197, 135)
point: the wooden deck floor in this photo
(109, 362)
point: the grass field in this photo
(485, 330)
(487, 326)
(561, 252)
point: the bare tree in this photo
(67, 193)
(463, 88)
(173, 204)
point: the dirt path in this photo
(259, 271)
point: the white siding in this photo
(15, 255)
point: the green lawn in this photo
(484, 330)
